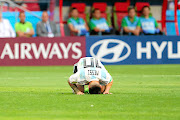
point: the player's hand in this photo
(80, 93)
(106, 92)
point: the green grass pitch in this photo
(140, 92)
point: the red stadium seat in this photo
(81, 7)
(33, 6)
(121, 6)
(139, 6)
(102, 6)
(6, 8)
(120, 11)
(104, 15)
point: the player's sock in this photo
(86, 90)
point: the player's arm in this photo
(86, 26)
(74, 87)
(108, 87)
(30, 33)
(71, 27)
(137, 30)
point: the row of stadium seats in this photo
(119, 11)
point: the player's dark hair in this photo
(131, 8)
(72, 9)
(95, 89)
(145, 7)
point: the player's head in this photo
(145, 11)
(131, 12)
(45, 16)
(96, 13)
(22, 16)
(94, 87)
(74, 12)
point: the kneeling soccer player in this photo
(90, 71)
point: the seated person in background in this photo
(98, 24)
(46, 28)
(149, 24)
(77, 25)
(6, 29)
(24, 28)
(130, 23)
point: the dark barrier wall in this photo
(41, 51)
(109, 2)
(134, 50)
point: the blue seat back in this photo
(170, 26)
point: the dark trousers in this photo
(101, 33)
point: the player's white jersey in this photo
(90, 69)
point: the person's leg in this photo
(110, 32)
(73, 82)
(160, 33)
(93, 32)
(80, 87)
(125, 33)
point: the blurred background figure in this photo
(149, 24)
(24, 28)
(130, 23)
(98, 24)
(6, 29)
(46, 28)
(170, 4)
(76, 24)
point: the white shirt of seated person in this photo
(6, 30)
(48, 28)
